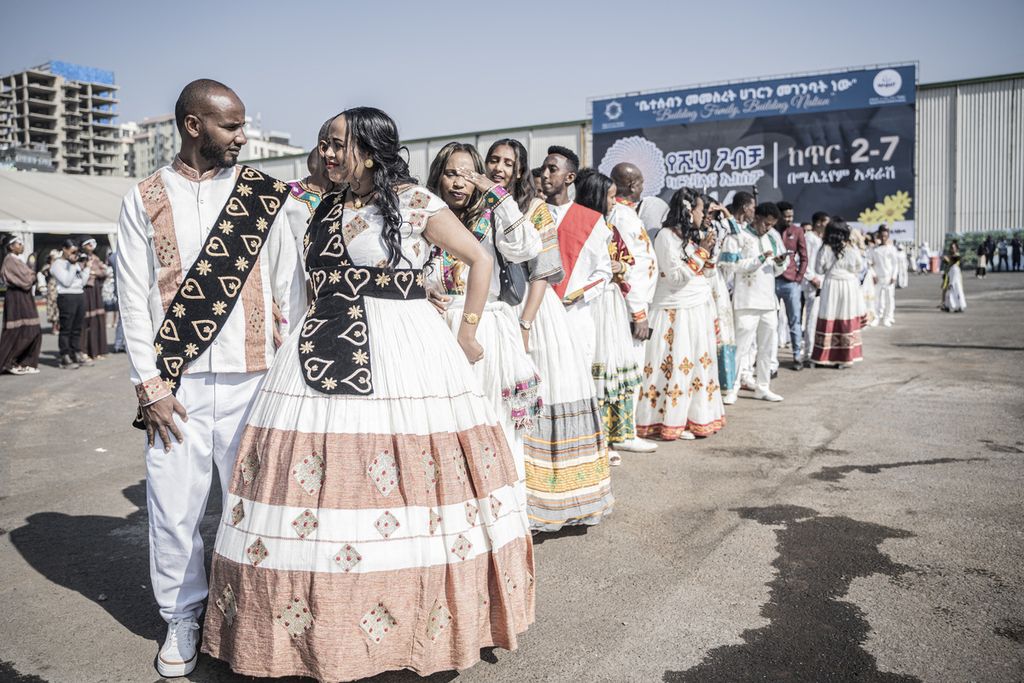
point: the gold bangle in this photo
(470, 318)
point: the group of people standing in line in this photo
(400, 383)
(72, 280)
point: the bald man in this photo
(642, 276)
(204, 252)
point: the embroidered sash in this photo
(334, 343)
(573, 232)
(209, 291)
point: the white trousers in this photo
(811, 303)
(760, 327)
(178, 484)
(885, 302)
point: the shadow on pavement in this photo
(105, 559)
(838, 472)
(813, 635)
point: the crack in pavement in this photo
(838, 472)
(812, 632)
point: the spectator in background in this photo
(52, 312)
(788, 285)
(537, 188)
(885, 260)
(71, 271)
(924, 259)
(812, 282)
(983, 255)
(758, 257)
(94, 330)
(1015, 253)
(21, 337)
(838, 330)
(1003, 250)
(953, 299)
(652, 211)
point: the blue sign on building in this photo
(840, 142)
(77, 72)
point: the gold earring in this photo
(368, 163)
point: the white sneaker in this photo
(730, 398)
(637, 445)
(888, 323)
(768, 395)
(178, 655)
(687, 436)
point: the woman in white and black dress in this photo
(372, 520)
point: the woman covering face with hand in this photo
(374, 504)
(491, 215)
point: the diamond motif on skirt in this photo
(495, 506)
(489, 460)
(510, 584)
(257, 552)
(250, 466)
(386, 524)
(378, 622)
(435, 521)
(237, 513)
(460, 467)
(347, 557)
(383, 471)
(295, 617)
(429, 468)
(227, 605)
(438, 620)
(310, 473)
(462, 547)
(471, 510)
(305, 524)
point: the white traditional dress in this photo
(953, 298)
(506, 373)
(373, 520)
(841, 311)
(681, 392)
(616, 368)
(568, 479)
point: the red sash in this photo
(573, 232)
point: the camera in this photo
(82, 257)
(717, 214)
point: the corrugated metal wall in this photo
(935, 191)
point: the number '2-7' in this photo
(861, 146)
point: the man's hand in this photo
(641, 330)
(159, 419)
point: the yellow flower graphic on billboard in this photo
(891, 209)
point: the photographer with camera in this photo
(71, 271)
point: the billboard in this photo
(841, 142)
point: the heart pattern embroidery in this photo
(316, 368)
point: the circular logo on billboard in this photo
(644, 154)
(888, 82)
(612, 110)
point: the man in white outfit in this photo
(759, 257)
(886, 261)
(204, 252)
(642, 277)
(813, 236)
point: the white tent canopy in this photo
(57, 203)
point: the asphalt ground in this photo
(869, 528)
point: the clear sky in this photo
(482, 65)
